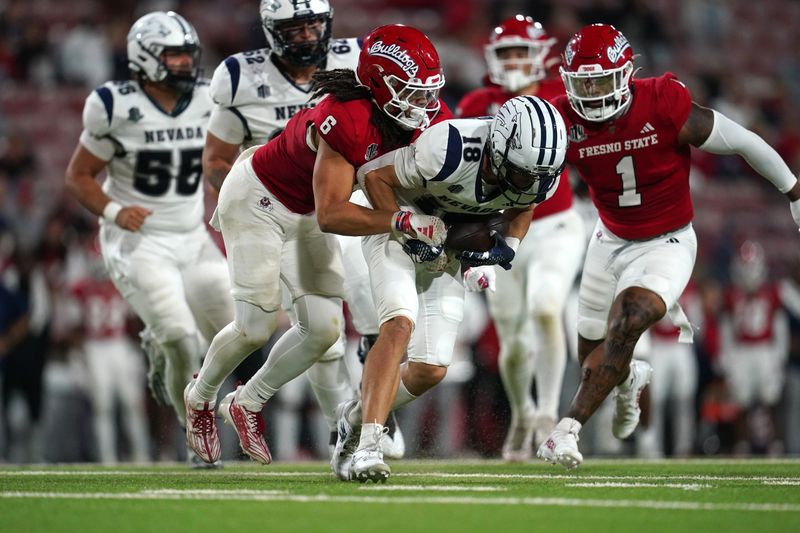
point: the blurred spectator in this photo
(85, 54)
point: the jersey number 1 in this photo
(153, 172)
(629, 196)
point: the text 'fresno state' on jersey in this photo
(486, 101)
(154, 157)
(255, 97)
(285, 165)
(637, 173)
(440, 171)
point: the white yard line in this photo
(441, 475)
(435, 488)
(618, 485)
(413, 500)
(790, 482)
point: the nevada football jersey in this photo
(637, 172)
(440, 172)
(486, 101)
(154, 158)
(261, 98)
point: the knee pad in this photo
(253, 323)
(320, 318)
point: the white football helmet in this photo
(749, 267)
(527, 149)
(151, 36)
(285, 21)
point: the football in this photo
(474, 234)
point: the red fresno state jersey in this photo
(753, 314)
(486, 101)
(285, 165)
(103, 310)
(637, 173)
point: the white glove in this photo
(794, 206)
(426, 228)
(480, 278)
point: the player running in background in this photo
(267, 217)
(630, 140)
(148, 133)
(455, 170)
(528, 304)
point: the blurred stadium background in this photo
(737, 56)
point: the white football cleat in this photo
(519, 440)
(561, 447)
(393, 443)
(368, 463)
(346, 442)
(201, 429)
(626, 399)
(543, 425)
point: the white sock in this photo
(516, 371)
(569, 425)
(550, 362)
(330, 382)
(370, 434)
(403, 396)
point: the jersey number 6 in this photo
(327, 124)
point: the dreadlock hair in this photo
(341, 83)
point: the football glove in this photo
(421, 252)
(478, 279)
(429, 229)
(499, 254)
(156, 367)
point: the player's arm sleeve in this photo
(98, 124)
(728, 137)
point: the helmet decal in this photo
(615, 51)
(394, 53)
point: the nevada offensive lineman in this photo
(630, 141)
(455, 170)
(528, 303)
(266, 213)
(256, 93)
(149, 134)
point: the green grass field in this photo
(619, 496)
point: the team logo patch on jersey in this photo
(455, 188)
(265, 204)
(372, 151)
(134, 115)
(396, 54)
(577, 133)
(263, 91)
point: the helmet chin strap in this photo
(516, 80)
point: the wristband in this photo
(513, 243)
(111, 210)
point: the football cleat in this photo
(196, 463)
(249, 427)
(517, 446)
(626, 399)
(561, 447)
(368, 463)
(201, 428)
(393, 443)
(346, 442)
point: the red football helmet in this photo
(401, 68)
(597, 72)
(514, 73)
